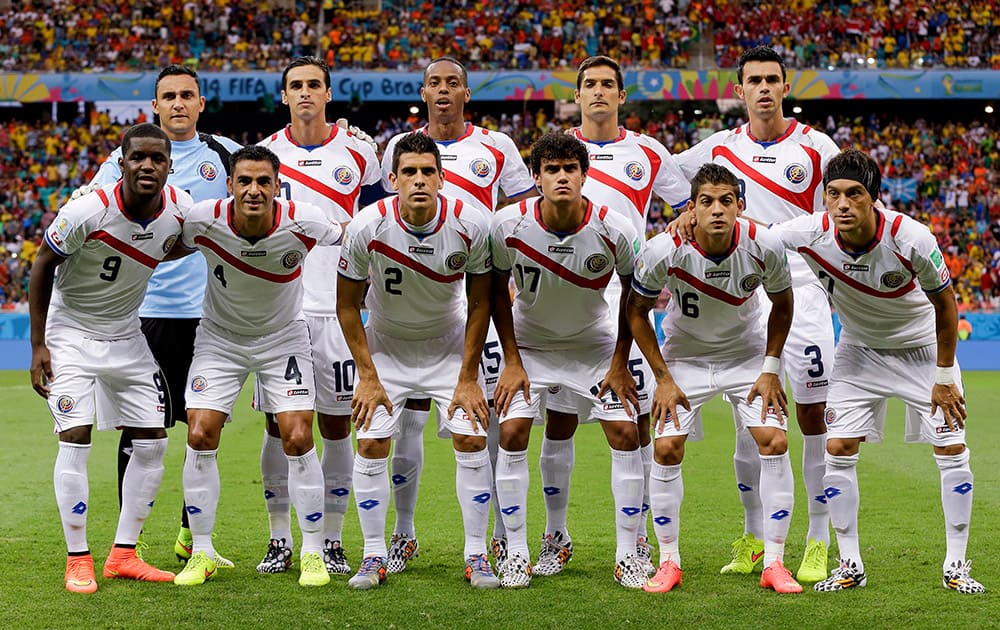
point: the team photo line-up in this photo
(505, 293)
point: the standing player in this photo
(172, 306)
(564, 250)
(326, 166)
(715, 344)
(417, 248)
(779, 162)
(253, 322)
(86, 345)
(479, 165)
(890, 285)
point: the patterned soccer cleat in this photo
(667, 577)
(779, 579)
(748, 554)
(334, 558)
(814, 561)
(846, 576)
(371, 574)
(630, 573)
(80, 576)
(957, 578)
(479, 573)
(198, 570)
(123, 564)
(557, 550)
(278, 558)
(515, 572)
(645, 554)
(313, 570)
(184, 544)
(401, 550)
(499, 548)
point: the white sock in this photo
(813, 469)
(646, 452)
(338, 472)
(841, 481)
(274, 476)
(746, 462)
(492, 447)
(956, 501)
(556, 467)
(777, 494)
(139, 487)
(305, 486)
(371, 496)
(201, 496)
(473, 479)
(69, 477)
(407, 463)
(626, 486)
(512, 491)
(666, 493)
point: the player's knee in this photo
(773, 442)
(468, 443)
(622, 436)
(669, 451)
(950, 450)
(514, 434)
(374, 448)
(76, 435)
(560, 425)
(201, 437)
(842, 447)
(155, 433)
(299, 441)
(810, 418)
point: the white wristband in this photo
(944, 375)
(772, 365)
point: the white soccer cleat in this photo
(846, 576)
(630, 573)
(957, 578)
(557, 550)
(515, 572)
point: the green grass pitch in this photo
(901, 529)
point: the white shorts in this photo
(574, 374)
(491, 363)
(808, 355)
(282, 361)
(118, 380)
(866, 378)
(418, 368)
(560, 399)
(703, 380)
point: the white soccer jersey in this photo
(255, 289)
(875, 292)
(329, 176)
(110, 257)
(779, 180)
(714, 310)
(477, 166)
(418, 288)
(561, 277)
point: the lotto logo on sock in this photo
(482, 498)
(80, 508)
(315, 516)
(662, 520)
(510, 510)
(339, 492)
(192, 509)
(268, 495)
(831, 492)
(963, 489)
(780, 514)
(630, 510)
(820, 498)
(399, 479)
(550, 490)
(368, 504)
(743, 487)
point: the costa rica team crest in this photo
(291, 260)
(480, 168)
(893, 279)
(795, 173)
(634, 171)
(208, 171)
(169, 244)
(750, 283)
(597, 263)
(457, 261)
(65, 404)
(343, 175)
(199, 384)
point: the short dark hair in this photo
(759, 53)
(143, 130)
(600, 60)
(857, 166)
(415, 142)
(558, 146)
(465, 73)
(309, 60)
(174, 70)
(254, 153)
(711, 173)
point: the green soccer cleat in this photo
(313, 570)
(198, 570)
(748, 554)
(184, 544)
(813, 567)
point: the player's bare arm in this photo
(368, 392)
(468, 394)
(618, 379)
(945, 393)
(768, 385)
(513, 379)
(667, 396)
(39, 295)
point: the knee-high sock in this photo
(842, 493)
(201, 494)
(139, 488)
(956, 501)
(666, 493)
(69, 477)
(813, 469)
(473, 480)
(407, 463)
(371, 496)
(777, 496)
(274, 476)
(512, 490)
(124, 456)
(626, 486)
(556, 467)
(305, 486)
(338, 472)
(746, 462)
(493, 447)
(646, 452)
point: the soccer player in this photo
(417, 248)
(87, 346)
(715, 344)
(479, 165)
(326, 166)
(779, 163)
(891, 287)
(172, 307)
(253, 322)
(563, 250)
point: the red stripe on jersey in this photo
(307, 241)
(500, 158)
(611, 246)
(124, 210)
(732, 247)
(125, 248)
(442, 215)
(802, 200)
(787, 133)
(244, 267)
(603, 213)
(538, 216)
(406, 261)
(346, 202)
(638, 198)
(851, 282)
(707, 289)
(291, 209)
(480, 194)
(276, 213)
(879, 228)
(906, 263)
(173, 193)
(826, 221)
(359, 160)
(381, 207)
(895, 225)
(751, 230)
(218, 208)
(596, 284)
(104, 197)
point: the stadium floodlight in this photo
(796, 110)
(414, 109)
(988, 109)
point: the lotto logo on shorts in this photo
(297, 392)
(795, 173)
(291, 260)
(343, 397)
(65, 404)
(830, 416)
(208, 171)
(814, 384)
(634, 171)
(342, 264)
(343, 175)
(199, 384)
(942, 429)
(480, 168)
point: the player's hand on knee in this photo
(667, 397)
(41, 370)
(768, 387)
(950, 400)
(620, 381)
(469, 397)
(683, 225)
(513, 381)
(368, 396)
(82, 191)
